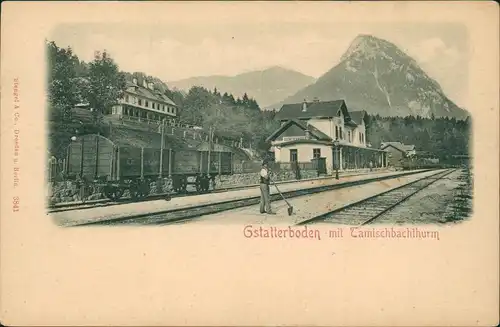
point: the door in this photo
(321, 165)
(293, 155)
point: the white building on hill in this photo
(143, 103)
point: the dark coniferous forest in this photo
(440, 136)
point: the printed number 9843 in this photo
(15, 204)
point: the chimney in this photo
(151, 86)
(134, 80)
(308, 134)
(304, 106)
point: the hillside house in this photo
(397, 151)
(144, 103)
(308, 131)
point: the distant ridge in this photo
(266, 86)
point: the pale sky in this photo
(173, 52)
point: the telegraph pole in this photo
(209, 149)
(162, 145)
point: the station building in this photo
(396, 151)
(144, 103)
(326, 130)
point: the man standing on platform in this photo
(265, 198)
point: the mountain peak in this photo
(375, 74)
(369, 46)
(275, 70)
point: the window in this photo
(293, 155)
(147, 103)
(127, 99)
(336, 132)
(341, 134)
(316, 153)
(153, 104)
(140, 102)
(349, 136)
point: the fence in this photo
(256, 166)
(55, 168)
(181, 130)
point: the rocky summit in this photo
(375, 75)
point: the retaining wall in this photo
(68, 191)
(254, 178)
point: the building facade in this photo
(144, 103)
(309, 131)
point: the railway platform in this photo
(307, 207)
(75, 217)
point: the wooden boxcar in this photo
(130, 160)
(420, 163)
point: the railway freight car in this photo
(130, 159)
(420, 163)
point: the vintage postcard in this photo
(249, 163)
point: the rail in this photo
(188, 213)
(367, 210)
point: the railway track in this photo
(107, 202)
(368, 210)
(187, 213)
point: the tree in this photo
(81, 89)
(245, 100)
(253, 105)
(61, 73)
(106, 85)
(216, 93)
(196, 104)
